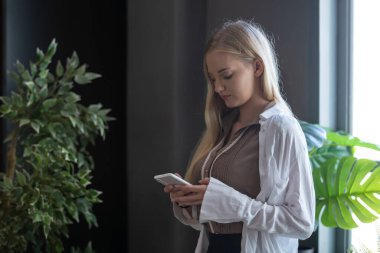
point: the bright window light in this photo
(366, 78)
(366, 101)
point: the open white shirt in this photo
(283, 211)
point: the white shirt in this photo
(283, 211)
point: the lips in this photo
(225, 97)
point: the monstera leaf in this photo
(315, 135)
(346, 187)
(318, 157)
(344, 139)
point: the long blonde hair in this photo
(248, 41)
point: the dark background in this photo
(150, 56)
(96, 30)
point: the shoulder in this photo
(285, 132)
(282, 123)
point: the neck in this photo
(250, 111)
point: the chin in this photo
(231, 106)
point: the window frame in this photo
(344, 89)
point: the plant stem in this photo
(11, 155)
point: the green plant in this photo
(346, 188)
(45, 186)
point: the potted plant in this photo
(345, 187)
(46, 184)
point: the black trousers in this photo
(224, 243)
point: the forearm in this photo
(223, 204)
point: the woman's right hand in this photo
(173, 191)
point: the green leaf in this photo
(40, 54)
(24, 122)
(31, 86)
(51, 49)
(33, 68)
(15, 77)
(59, 69)
(86, 78)
(350, 183)
(91, 76)
(81, 79)
(81, 70)
(315, 135)
(20, 178)
(35, 197)
(35, 126)
(44, 92)
(40, 81)
(31, 100)
(72, 98)
(49, 103)
(349, 140)
(43, 74)
(50, 78)
(20, 67)
(72, 62)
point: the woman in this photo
(252, 188)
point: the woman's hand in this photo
(186, 195)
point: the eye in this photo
(227, 77)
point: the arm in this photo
(293, 218)
(186, 201)
(289, 205)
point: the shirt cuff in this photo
(222, 203)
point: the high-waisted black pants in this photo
(224, 243)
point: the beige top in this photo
(235, 163)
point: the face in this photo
(233, 79)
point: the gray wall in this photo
(164, 98)
(166, 90)
(294, 27)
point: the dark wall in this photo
(165, 97)
(166, 90)
(294, 27)
(97, 31)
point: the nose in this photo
(218, 87)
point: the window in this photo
(366, 80)
(365, 101)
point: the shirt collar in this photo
(230, 117)
(272, 109)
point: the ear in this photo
(258, 67)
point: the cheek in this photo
(245, 87)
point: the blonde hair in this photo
(249, 42)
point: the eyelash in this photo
(225, 78)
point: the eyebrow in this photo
(221, 70)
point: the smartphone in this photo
(170, 178)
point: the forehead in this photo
(217, 60)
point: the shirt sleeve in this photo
(291, 214)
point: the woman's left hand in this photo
(193, 193)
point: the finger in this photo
(178, 194)
(205, 181)
(178, 175)
(168, 188)
(192, 199)
(192, 188)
